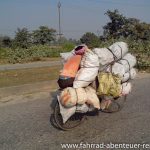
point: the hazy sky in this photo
(77, 16)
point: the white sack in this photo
(115, 52)
(71, 97)
(92, 97)
(129, 75)
(126, 88)
(68, 97)
(66, 113)
(104, 55)
(119, 49)
(88, 71)
(84, 77)
(128, 61)
(81, 96)
(89, 59)
(117, 69)
(124, 66)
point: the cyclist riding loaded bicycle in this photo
(92, 80)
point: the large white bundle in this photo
(114, 52)
(128, 61)
(92, 98)
(124, 67)
(66, 113)
(119, 49)
(129, 75)
(84, 77)
(126, 88)
(89, 59)
(68, 97)
(117, 69)
(81, 95)
(104, 55)
(88, 71)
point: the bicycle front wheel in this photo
(71, 123)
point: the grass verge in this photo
(26, 76)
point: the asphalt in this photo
(26, 89)
(29, 65)
(25, 122)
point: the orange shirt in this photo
(71, 66)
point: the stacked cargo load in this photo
(89, 74)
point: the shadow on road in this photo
(53, 101)
(53, 96)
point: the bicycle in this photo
(78, 118)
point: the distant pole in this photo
(59, 5)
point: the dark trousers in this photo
(65, 82)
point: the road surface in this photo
(29, 65)
(25, 125)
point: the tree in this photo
(1, 39)
(43, 35)
(22, 38)
(90, 39)
(120, 26)
(113, 29)
(6, 42)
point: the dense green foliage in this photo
(43, 35)
(121, 26)
(22, 38)
(90, 39)
(34, 53)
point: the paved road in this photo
(25, 125)
(29, 65)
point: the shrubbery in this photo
(37, 52)
(34, 53)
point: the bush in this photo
(90, 39)
(35, 53)
(4, 52)
(68, 46)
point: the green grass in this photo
(33, 53)
(26, 76)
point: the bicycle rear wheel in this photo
(72, 122)
(117, 105)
